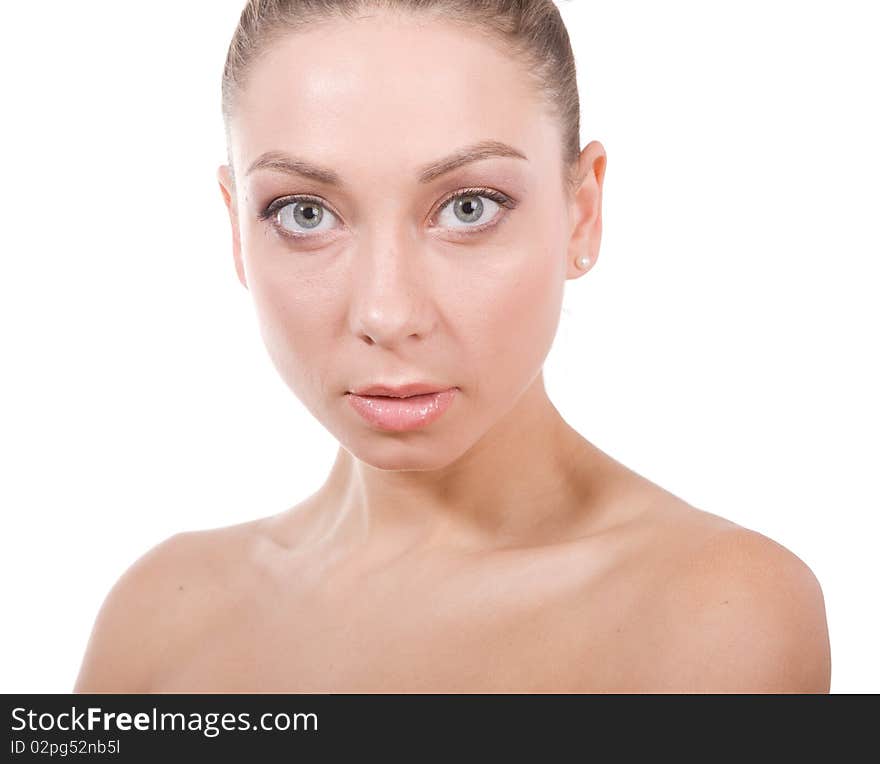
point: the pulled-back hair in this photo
(532, 30)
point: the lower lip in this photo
(402, 414)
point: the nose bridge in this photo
(388, 282)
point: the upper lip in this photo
(400, 391)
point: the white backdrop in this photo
(724, 345)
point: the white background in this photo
(724, 346)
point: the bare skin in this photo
(496, 549)
(639, 593)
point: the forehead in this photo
(385, 92)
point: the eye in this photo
(466, 211)
(299, 216)
(473, 209)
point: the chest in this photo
(531, 630)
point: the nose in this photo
(391, 299)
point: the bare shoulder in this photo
(160, 604)
(739, 612)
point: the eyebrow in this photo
(279, 161)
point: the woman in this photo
(407, 197)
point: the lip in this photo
(402, 414)
(399, 391)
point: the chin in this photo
(390, 452)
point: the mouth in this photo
(407, 390)
(402, 413)
(396, 397)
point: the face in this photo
(394, 265)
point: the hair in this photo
(532, 30)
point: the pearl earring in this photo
(584, 261)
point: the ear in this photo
(586, 207)
(227, 188)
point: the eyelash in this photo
(271, 212)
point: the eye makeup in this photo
(271, 213)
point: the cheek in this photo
(292, 325)
(520, 316)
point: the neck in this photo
(525, 480)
